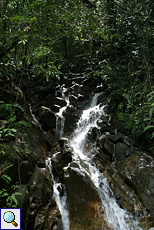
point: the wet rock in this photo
(56, 157)
(121, 151)
(55, 108)
(62, 142)
(47, 119)
(72, 99)
(145, 187)
(80, 98)
(106, 145)
(77, 79)
(102, 98)
(61, 159)
(45, 90)
(36, 143)
(41, 164)
(99, 88)
(59, 101)
(23, 203)
(81, 195)
(71, 117)
(75, 87)
(91, 83)
(128, 141)
(93, 134)
(80, 89)
(40, 185)
(58, 93)
(52, 140)
(116, 151)
(101, 159)
(25, 167)
(65, 146)
(115, 138)
(137, 171)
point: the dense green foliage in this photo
(42, 40)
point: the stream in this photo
(116, 217)
(80, 146)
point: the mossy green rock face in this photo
(23, 153)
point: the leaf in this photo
(13, 130)
(2, 191)
(148, 127)
(12, 118)
(14, 198)
(147, 119)
(127, 96)
(150, 112)
(4, 194)
(7, 167)
(23, 123)
(6, 178)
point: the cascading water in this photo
(60, 200)
(60, 119)
(116, 217)
(35, 121)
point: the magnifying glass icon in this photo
(9, 217)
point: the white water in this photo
(60, 200)
(60, 119)
(35, 121)
(116, 217)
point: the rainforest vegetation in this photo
(43, 42)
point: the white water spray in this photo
(60, 119)
(60, 200)
(116, 217)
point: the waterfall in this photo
(60, 200)
(116, 217)
(35, 121)
(60, 119)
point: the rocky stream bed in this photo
(46, 167)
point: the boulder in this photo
(80, 98)
(40, 186)
(23, 203)
(72, 99)
(36, 145)
(137, 171)
(43, 91)
(102, 98)
(51, 139)
(77, 89)
(71, 117)
(55, 108)
(59, 101)
(47, 118)
(62, 158)
(48, 218)
(114, 148)
(84, 204)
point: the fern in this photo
(23, 123)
